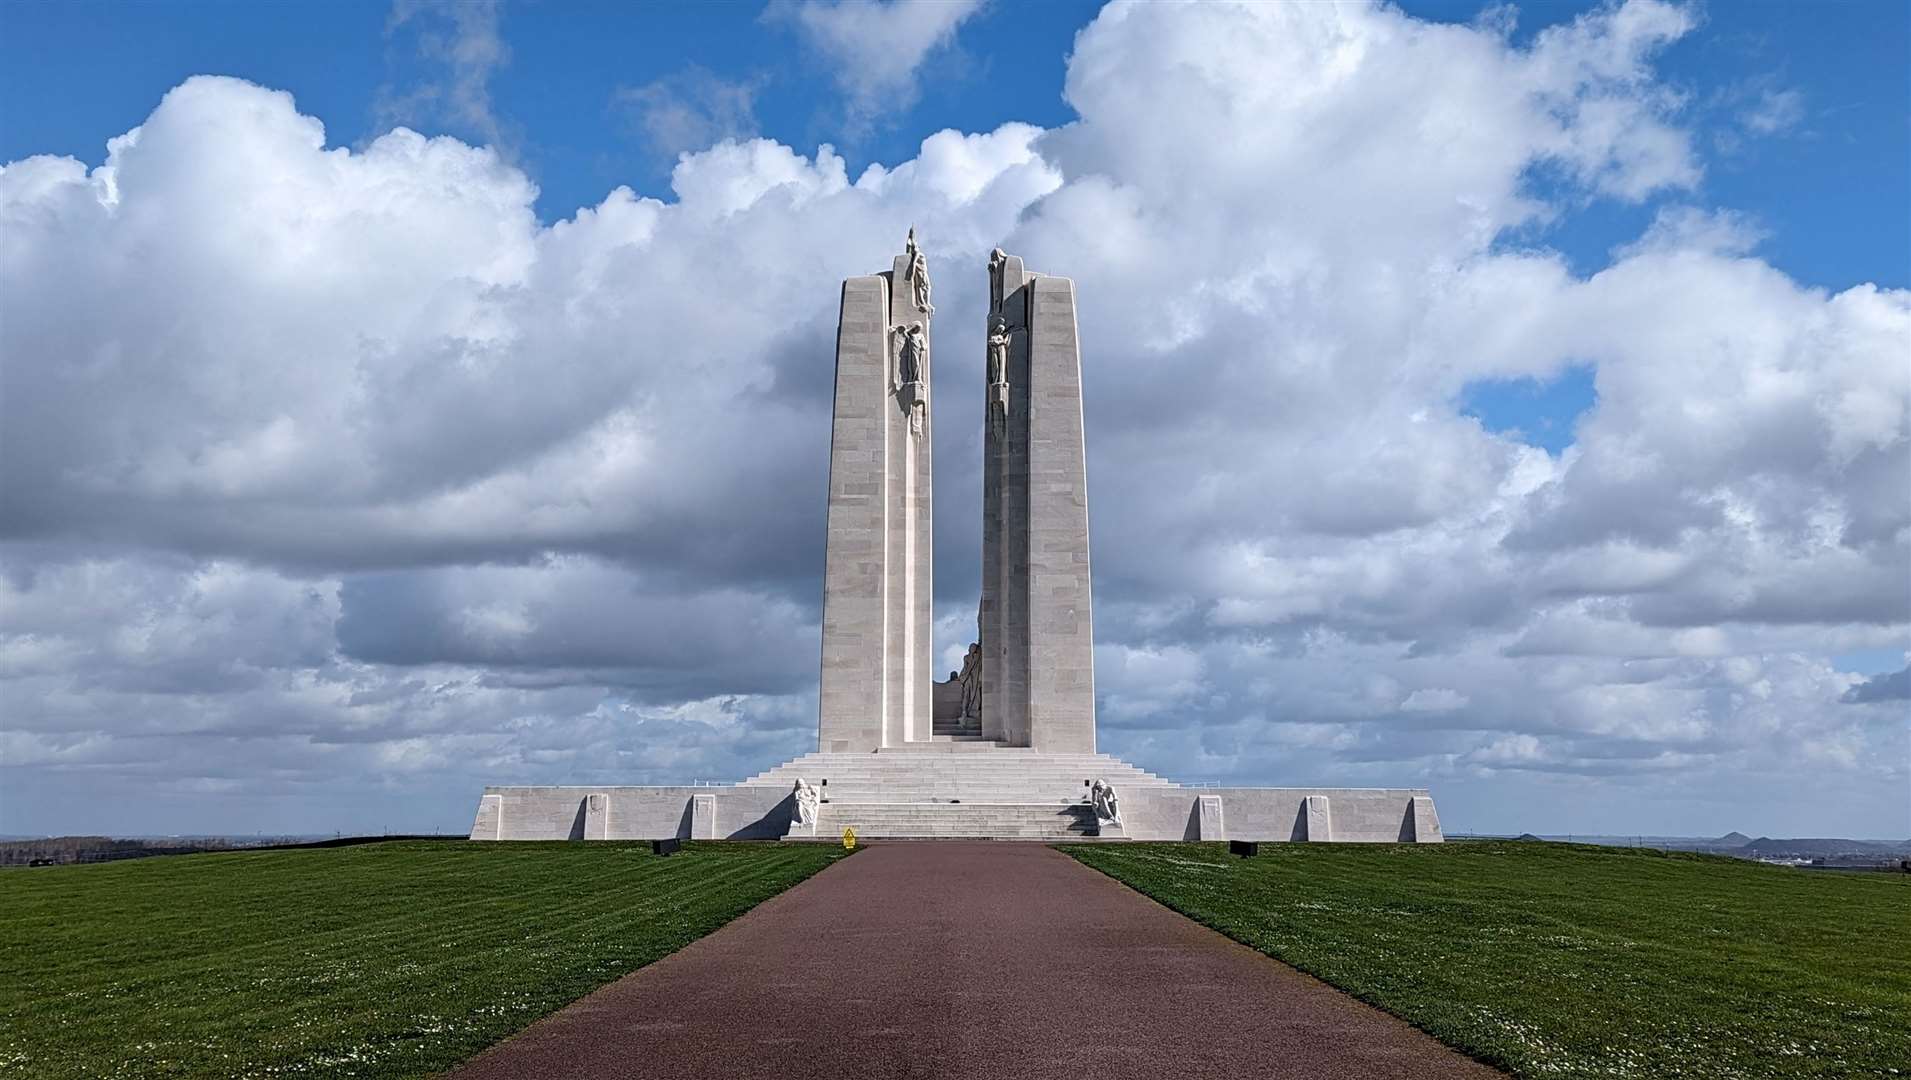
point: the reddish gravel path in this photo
(967, 959)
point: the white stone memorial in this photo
(1005, 748)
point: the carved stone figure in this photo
(971, 679)
(918, 273)
(910, 344)
(912, 372)
(999, 336)
(807, 799)
(1102, 797)
(997, 260)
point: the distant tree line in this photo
(60, 850)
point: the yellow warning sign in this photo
(849, 839)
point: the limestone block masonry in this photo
(1037, 632)
(1024, 768)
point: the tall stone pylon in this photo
(878, 580)
(1036, 629)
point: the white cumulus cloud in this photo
(331, 479)
(874, 49)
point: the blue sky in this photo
(1827, 195)
(557, 91)
(1830, 192)
(1517, 407)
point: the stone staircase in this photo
(968, 820)
(956, 785)
(961, 727)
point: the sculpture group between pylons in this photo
(1005, 748)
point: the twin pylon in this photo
(1034, 625)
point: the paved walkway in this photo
(967, 959)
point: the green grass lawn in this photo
(1556, 960)
(391, 959)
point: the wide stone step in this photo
(957, 798)
(987, 750)
(1001, 820)
(1043, 793)
(834, 777)
(975, 770)
(849, 791)
(954, 760)
(1005, 749)
(873, 763)
(1046, 786)
(935, 769)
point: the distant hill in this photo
(1767, 847)
(1742, 846)
(1729, 844)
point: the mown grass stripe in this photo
(1565, 961)
(384, 960)
(361, 925)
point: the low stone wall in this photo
(752, 812)
(633, 813)
(1342, 815)
(946, 699)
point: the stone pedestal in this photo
(1423, 822)
(1211, 827)
(597, 816)
(489, 824)
(1320, 819)
(703, 817)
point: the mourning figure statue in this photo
(908, 354)
(909, 348)
(971, 680)
(1102, 797)
(807, 799)
(911, 372)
